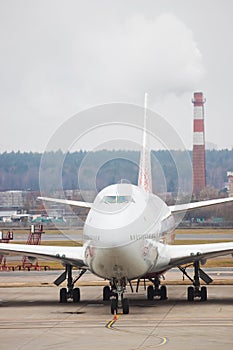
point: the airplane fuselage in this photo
(122, 229)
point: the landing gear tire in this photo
(63, 295)
(190, 294)
(203, 293)
(196, 291)
(113, 306)
(125, 306)
(76, 295)
(163, 293)
(106, 293)
(150, 293)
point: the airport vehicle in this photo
(128, 235)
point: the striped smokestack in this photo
(199, 169)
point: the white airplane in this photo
(128, 235)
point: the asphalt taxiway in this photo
(32, 318)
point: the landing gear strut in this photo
(156, 290)
(118, 288)
(70, 292)
(196, 291)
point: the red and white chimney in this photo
(199, 166)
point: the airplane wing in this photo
(67, 201)
(175, 255)
(179, 208)
(65, 255)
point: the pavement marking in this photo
(110, 324)
(164, 340)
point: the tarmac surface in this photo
(32, 318)
(65, 235)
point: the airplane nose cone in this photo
(117, 219)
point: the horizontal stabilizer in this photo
(67, 201)
(179, 208)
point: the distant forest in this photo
(95, 170)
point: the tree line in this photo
(95, 170)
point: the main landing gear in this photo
(196, 291)
(156, 290)
(116, 291)
(70, 292)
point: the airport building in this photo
(12, 199)
(230, 182)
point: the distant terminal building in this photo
(199, 164)
(12, 199)
(230, 182)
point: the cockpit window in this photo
(117, 199)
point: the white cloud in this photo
(157, 55)
(161, 55)
(56, 60)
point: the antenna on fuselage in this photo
(144, 176)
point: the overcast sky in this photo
(60, 57)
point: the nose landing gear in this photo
(118, 301)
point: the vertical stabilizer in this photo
(144, 176)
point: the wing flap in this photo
(65, 255)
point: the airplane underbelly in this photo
(128, 261)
